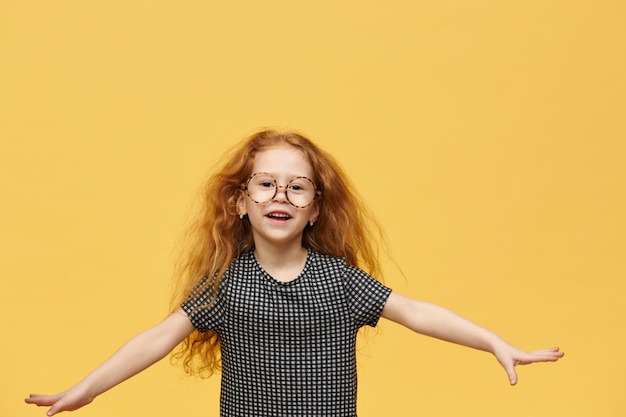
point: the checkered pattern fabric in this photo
(288, 349)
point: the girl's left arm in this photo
(441, 323)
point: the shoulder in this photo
(334, 265)
(241, 263)
(239, 267)
(323, 261)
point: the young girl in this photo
(273, 291)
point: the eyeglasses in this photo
(262, 188)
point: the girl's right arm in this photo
(133, 357)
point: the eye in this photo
(262, 182)
(300, 185)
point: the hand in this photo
(69, 400)
(510, 356)
(134, 356)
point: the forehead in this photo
(283, 161)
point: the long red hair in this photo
(344, 228)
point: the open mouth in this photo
(277, 215)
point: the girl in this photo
(273, 290)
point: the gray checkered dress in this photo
(288, 349)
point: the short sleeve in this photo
(203, 309)
(366, 296)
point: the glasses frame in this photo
(244, 186)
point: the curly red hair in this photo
(344, 228)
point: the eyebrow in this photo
(291, 176)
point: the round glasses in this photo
(262, 188)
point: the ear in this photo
(242, 208)
(315, 212)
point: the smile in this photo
(277, 215)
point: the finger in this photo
(546, 355)
(57, 407)
(53, 410)
(553, 350)
(41, 400)
(55, 401)
(510, 371)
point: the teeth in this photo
(279, 215)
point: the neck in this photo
(284, 264)
(280, 256)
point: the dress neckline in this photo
(294, 281)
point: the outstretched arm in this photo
(133, 357)
(435, 321)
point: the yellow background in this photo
(488, 137)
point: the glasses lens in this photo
(301, 192)
(261, 188)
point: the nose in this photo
(281, 191)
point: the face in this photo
(278, 222)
